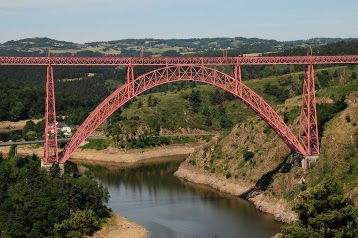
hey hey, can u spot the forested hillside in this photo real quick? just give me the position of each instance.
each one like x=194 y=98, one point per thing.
x=37 y=203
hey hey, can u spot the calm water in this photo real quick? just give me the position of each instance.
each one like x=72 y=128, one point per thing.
x=170 y=208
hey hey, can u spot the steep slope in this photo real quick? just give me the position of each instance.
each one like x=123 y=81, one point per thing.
x=340 y=150
x=241 y=163
x=252 y=162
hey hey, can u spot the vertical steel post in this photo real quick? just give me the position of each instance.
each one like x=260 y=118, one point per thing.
x=308 y=136
x=130 y=81
x=238 y=83
x=50 y=135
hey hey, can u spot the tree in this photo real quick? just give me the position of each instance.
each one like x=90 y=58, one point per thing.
x=324 y=212
x=351 y=66
x=208 y=121
x=30 y=135
x=29 y=126
x=79 y=224
x=171 y=53
x=354 y=75
x=248 y=154
x=335 y=74
x=150 y=101
x=140 y=104
x=195 y=101
x=216 y=97
x=17 y=111
x=55 y=170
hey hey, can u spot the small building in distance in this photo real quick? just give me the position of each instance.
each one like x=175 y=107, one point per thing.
x=62 y=127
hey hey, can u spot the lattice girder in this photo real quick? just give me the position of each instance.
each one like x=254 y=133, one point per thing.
x=180 y=73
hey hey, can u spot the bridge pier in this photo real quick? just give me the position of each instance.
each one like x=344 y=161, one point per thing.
x=47 y=166
x=309 y=161
x=15 y=150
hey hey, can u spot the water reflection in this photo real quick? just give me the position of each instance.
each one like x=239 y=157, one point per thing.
x=168 y=207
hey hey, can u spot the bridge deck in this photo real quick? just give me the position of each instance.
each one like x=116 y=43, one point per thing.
x=124 y=61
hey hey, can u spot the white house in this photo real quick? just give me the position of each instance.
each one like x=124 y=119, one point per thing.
x=60 y=126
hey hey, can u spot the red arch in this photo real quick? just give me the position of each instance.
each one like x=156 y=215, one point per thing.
x=178 y=73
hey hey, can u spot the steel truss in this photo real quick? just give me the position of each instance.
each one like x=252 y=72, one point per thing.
x=184 y=68
x=168 y=74
x=50 y=134
x=162 y=61
x=308 y=136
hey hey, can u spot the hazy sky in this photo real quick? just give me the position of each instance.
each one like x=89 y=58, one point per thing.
x=102 y=20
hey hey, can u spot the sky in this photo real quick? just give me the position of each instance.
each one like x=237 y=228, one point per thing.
x=83 y=21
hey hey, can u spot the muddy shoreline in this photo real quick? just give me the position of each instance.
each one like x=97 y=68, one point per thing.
x=277 y=207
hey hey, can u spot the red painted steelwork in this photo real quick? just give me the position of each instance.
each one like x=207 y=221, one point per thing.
x=134 y=87
x=308 y=119
x=50 y=143
x=125 y=61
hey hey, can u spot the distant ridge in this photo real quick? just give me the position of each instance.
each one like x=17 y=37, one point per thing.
x=157 y=47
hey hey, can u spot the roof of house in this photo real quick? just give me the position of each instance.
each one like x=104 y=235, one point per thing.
x=61 y=125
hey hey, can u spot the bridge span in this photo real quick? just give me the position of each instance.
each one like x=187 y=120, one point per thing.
x=173 y=69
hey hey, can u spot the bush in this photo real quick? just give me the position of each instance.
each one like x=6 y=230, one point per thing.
x=248 y=154
x=303 y=186
x=98 y=144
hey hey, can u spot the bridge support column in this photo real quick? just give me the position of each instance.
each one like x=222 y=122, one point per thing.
x=130 y=81
x=238 y=83
x=308 y=136
x=50 y=134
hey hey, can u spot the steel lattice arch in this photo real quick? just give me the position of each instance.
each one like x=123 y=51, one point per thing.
x=179 y=73
x=179 y=69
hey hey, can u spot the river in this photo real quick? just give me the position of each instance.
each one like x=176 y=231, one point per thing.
x=171 y=208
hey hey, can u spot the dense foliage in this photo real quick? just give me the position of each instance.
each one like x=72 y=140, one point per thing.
x=324 y=212
x=34 y=203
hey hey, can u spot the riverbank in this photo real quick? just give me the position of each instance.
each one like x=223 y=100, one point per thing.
x=8 y=126
x=116 y=156
x=278 y=207
x=118 y=226
x=132 y=157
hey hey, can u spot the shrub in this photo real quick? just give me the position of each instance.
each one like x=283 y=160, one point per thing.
x=303 y=186
x=98 y=144
x=248 y=154
x=348 y=118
